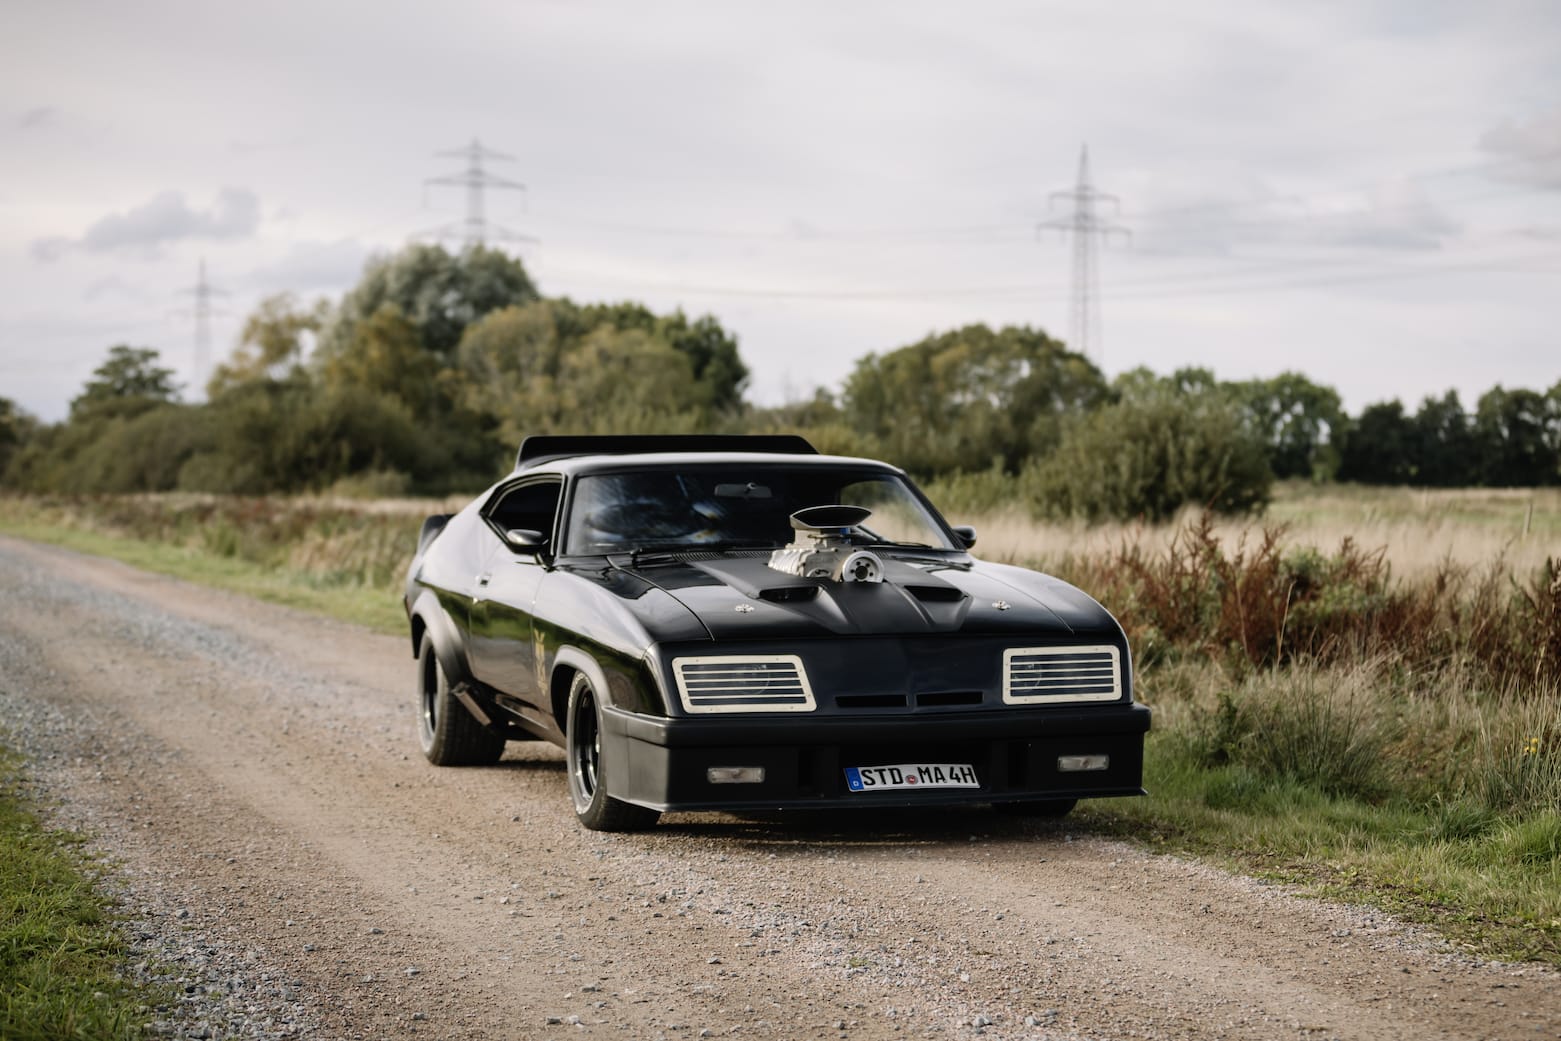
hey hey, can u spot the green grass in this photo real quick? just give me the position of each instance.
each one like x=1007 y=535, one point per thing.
x=1489 y=882
x=61 y=955
x=377 y=607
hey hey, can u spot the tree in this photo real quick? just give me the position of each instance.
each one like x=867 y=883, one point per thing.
x=1514 y=433
x=538 y=369
x=438 y=292
x=962 y=399
x=1379 y=446
x=385 y=357
x=273 y=344
x=16 y=429
x=1148 y=456
x=1444 y=444
x=508 y=368
x=710 y=349
x=1297 y=420
x=129 y=381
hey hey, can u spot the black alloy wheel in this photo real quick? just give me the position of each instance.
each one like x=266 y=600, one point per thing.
x=449 y=734
x=586 y=767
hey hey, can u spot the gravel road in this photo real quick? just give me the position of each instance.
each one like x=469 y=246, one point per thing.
x=295 y=867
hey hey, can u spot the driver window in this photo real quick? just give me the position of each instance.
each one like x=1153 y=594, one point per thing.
x=530 y=506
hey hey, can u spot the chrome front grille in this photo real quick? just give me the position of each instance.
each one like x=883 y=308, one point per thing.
x=743 y=683
x=1042 y=675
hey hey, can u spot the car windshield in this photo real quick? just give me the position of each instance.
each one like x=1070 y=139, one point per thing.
x=700 y=507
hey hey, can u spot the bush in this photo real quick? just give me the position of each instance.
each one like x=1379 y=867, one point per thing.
x=1147 y=458
x=1304 y=727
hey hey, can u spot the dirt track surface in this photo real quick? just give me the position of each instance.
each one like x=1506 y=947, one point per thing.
x=256 y=772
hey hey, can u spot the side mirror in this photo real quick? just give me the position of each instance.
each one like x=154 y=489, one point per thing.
x=966 y=535
x=525 y=540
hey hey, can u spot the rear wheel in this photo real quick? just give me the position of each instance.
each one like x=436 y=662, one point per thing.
x=449 y=734
x=583 y=751
x=1040 y=808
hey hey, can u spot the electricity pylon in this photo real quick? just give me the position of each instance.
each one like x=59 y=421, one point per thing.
x=476 y=179
x=201 y=312
x=1085 y=225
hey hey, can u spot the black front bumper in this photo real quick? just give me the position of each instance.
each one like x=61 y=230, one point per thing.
x=661 y=763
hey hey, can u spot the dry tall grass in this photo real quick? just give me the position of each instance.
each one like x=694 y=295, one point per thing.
x=1419 y=530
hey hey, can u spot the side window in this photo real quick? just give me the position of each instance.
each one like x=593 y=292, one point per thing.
x=530 y=506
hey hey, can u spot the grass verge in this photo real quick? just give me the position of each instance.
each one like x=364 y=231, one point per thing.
x=1490 y=883
x=61 y=955
x=375 y=606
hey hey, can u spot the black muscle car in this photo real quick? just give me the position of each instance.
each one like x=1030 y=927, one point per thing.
x=739 y=623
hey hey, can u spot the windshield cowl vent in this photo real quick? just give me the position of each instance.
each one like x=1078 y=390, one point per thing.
x=822 y=546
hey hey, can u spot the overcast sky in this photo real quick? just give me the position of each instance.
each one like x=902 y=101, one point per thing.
x=1366 y=191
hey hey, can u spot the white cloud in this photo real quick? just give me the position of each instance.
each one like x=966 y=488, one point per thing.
x=164 y=219
x=37 y=118
x=1533 y=147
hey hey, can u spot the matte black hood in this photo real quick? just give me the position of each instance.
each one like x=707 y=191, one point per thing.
x=743 y=598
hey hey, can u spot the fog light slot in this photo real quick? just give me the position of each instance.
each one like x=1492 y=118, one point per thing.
x=1072 y=764
x=735 y=775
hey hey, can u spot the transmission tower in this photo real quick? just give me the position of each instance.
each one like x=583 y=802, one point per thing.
x=202 y=312
x=1086 y=226
x=476 y=179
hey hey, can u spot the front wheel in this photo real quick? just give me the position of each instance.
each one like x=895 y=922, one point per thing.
x=583 y=752
x=449 y=734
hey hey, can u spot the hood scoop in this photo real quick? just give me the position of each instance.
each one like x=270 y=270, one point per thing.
x=821 y=547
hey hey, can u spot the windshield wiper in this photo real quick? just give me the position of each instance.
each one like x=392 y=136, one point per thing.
x=673 y=549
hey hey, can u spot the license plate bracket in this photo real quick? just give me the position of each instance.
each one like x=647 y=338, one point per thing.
x=906 y=776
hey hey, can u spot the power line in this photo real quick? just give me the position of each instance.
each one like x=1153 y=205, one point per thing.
x=1085 y=226
x=1196 y=284
x=476 y=179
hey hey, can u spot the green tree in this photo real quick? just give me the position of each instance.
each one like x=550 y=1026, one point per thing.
x=273 y=344
x=1514 y=431
x=384 y=356
x=539 y=369
x=439 y=292
x=509 y=363
x=710 y=349
x=1444 y=444
x=630 y=381
x=1150 y=455
x=1297 y=420
x=130 y=380
x=1379 y=448
x=271 y=436
x=17 y=427
x=818 y=418
x=962 y=399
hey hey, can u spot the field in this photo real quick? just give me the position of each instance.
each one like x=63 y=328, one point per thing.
x=1359 y=693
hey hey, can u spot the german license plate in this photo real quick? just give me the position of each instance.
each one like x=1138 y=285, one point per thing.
x=911 y=775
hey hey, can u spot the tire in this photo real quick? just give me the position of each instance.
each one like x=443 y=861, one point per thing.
x=449 y=734
x=1046 y=808
x=585 y=764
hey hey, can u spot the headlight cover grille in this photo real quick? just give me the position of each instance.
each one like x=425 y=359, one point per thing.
x=1044 y=675
x=743 y=683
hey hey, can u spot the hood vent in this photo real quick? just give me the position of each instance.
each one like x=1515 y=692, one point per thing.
x=944 y=594
x=788 y=594
x=1042 y=675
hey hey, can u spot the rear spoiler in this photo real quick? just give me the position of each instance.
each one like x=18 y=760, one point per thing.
x=554 y=446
